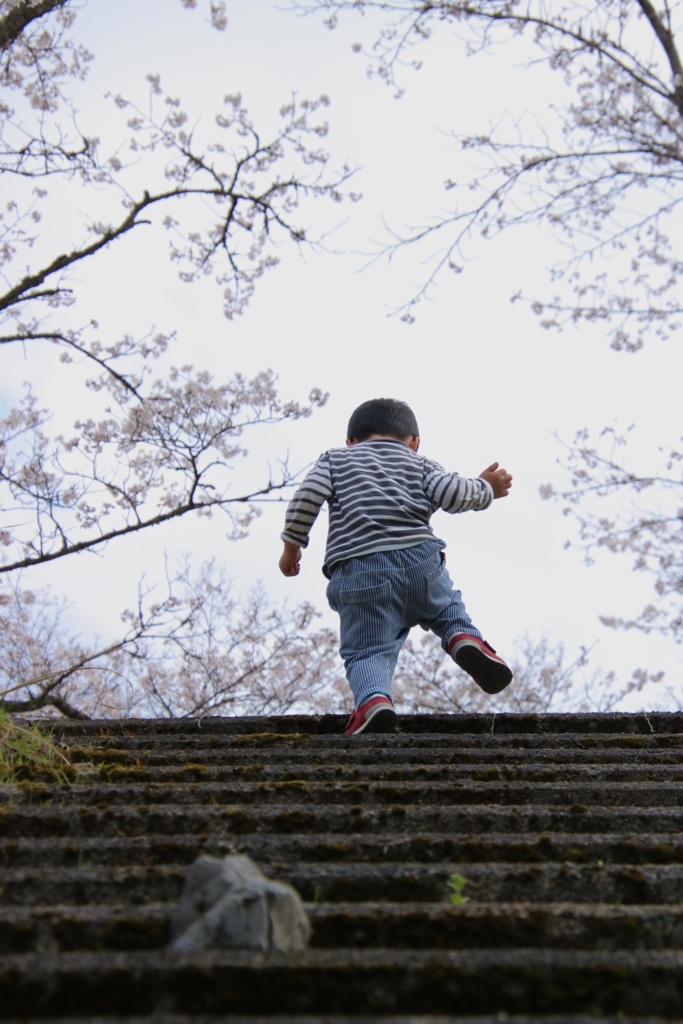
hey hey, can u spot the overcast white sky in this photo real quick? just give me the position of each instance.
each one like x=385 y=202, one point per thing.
x=485 y=381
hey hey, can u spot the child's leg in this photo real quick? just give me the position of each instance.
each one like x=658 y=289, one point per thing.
x=371 y=670
x=444 y=612
x=462 y=640
x=369 y=646
x=372 y=627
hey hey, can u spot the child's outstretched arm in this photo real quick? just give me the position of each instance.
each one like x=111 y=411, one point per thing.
x=302 y=512
x=499 y=479
x=290 y=560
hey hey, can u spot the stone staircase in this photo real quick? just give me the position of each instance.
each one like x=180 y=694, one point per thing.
x=565 y=833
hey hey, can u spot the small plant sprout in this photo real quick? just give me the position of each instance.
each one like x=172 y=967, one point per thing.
x=456 y=886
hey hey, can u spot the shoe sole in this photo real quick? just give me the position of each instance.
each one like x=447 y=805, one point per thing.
x=491 y=676
x=383 y=720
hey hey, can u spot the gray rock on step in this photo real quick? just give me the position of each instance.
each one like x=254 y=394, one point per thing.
x=230 y=904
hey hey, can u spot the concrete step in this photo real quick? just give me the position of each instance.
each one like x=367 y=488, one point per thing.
x=393 y=881
x=363 y=1018
x=380 y=981
x=568 y=830
x=65 y=928
x=424 y=847
x=454 y=793
x=419 y=774
x=236 y=821
x=276 y=727
x=189 y=755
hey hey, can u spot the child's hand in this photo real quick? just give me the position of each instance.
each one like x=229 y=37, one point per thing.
x=290 y=560
x=500 y=480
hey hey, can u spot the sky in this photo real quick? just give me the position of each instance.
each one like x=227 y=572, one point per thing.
x=484 y=379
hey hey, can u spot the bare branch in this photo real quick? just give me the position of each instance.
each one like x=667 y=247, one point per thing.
x=607 y=173
x=640 y=516
x=192 y=651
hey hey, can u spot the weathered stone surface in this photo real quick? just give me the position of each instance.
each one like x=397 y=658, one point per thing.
x=568 y=831
x=230 y=904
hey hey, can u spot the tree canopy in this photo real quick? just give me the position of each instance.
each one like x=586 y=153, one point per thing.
x=599 y=167
x=602 y=168
x=110 y=438
x=113 y=435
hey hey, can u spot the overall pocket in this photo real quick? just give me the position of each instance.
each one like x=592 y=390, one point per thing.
x=340 y=593
x=365 y=614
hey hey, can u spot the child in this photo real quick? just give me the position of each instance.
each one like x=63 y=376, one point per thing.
x=385 y=566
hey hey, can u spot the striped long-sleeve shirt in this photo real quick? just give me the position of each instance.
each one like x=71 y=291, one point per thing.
x=381 y=496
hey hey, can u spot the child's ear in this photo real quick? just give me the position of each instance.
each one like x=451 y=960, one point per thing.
x=414 y=443
x=350 y=441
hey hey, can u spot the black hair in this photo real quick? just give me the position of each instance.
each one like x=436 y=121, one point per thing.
x=382 y=416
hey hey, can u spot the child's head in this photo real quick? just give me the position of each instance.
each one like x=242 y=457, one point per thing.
x=384 y=416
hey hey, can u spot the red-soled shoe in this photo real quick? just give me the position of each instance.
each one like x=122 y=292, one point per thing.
x=376 y=714
x=480 y=661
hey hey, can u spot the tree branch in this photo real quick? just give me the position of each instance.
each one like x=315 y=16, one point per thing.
x=669 y=45
x=21 y=16
x=103 y=538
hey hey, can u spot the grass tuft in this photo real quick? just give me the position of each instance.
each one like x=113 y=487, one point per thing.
x=27 y=751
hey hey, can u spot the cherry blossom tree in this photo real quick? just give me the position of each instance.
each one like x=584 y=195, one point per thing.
x=109 y=437
x=157 y=450
x=138 y=441
x=640 y=516
x=190 y=648
x=601 y=170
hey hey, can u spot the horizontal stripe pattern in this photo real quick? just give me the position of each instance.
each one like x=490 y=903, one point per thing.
x=381 y=496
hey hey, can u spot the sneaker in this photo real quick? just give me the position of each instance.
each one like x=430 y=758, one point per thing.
x=480 y=661
x=376 y=714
